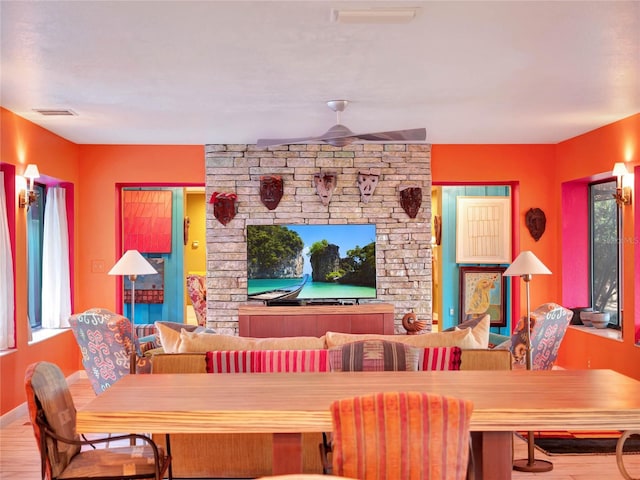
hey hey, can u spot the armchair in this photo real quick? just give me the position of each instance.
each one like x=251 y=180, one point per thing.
x=110 y=350
x=549 y=323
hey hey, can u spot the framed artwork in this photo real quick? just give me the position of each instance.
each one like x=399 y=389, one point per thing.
x=146 y=220
x=149 y=288
x=482 y=291
x=483 y=230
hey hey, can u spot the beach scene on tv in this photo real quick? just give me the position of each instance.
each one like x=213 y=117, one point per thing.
x=290 y=262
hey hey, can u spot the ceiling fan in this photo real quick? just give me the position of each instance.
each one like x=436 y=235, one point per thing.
x=339 y=135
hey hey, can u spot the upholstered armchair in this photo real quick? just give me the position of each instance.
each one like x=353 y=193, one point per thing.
x=426 y=436
x=110 y=350
x=197 y=291
x=53 y=417
x=549 y=323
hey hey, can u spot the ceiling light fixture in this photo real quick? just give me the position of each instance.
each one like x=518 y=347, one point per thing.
x=29 y=195
x=623 y=192
x=374 y=15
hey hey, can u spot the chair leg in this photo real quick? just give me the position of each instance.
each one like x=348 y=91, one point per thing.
x=471 y=464
x=168 y=440
x=325 y=449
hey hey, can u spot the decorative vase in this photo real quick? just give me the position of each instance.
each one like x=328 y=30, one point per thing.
x=600 y=319
x=585 y=316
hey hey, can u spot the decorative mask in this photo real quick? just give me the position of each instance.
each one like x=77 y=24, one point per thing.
x=367 y=182
x=325 y=185
x=224 y=206
x=410 y=200
x=536 y=222
x=271 y=189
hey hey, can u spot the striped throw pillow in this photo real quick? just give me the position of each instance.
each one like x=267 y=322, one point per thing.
x=442 y=358
x=269 y=361
x=229 y=361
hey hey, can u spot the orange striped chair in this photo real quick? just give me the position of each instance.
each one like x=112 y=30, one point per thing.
x=401 y=436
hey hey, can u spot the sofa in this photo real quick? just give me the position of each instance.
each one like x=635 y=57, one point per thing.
x=249 y=455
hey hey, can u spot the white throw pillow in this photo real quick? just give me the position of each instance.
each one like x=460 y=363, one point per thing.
x=476 y=337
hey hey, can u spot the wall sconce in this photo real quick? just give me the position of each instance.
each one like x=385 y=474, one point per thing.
x=623 y=193
x=28 y=196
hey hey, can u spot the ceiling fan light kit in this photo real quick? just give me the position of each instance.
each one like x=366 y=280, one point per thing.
x=339 y=135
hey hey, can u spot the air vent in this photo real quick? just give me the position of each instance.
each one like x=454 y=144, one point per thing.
x=374 y=15
x=55 y=112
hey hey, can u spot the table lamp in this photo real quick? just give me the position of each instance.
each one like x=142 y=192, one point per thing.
x=525 y=266
x=132 y=263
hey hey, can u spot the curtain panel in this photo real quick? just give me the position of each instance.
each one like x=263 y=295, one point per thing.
x=7 y=311
x=56 y=284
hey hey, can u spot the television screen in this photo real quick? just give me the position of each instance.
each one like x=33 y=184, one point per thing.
x=311 y=262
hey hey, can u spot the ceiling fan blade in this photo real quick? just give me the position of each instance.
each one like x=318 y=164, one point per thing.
x=272 y=142
x=410 y=135
x=339 y=136
x=336 y=132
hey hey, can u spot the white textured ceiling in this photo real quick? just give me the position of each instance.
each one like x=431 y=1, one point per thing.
x=181 y=72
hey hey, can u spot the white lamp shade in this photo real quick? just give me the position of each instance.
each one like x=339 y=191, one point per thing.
x=31 y=171
x=132 y=263
x=619 y=169
x=526 y=264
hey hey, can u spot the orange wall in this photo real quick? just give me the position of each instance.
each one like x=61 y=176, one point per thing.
x=529 y=166
x=103 y=167
x=22 y=142
x=100 y=168
x=592 y=155
x=538 y=171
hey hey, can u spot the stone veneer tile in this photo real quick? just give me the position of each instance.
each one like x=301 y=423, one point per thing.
x=403 y=247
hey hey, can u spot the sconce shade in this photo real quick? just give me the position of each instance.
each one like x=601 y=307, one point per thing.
x=31 y=171
x=132 y=263
x=619 y=169
x=526 y=264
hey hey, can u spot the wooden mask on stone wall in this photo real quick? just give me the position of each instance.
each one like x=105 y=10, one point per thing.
x=367 y=182
x=224 y=206
x=271 y=190
x=325 y=185
x=410 y=200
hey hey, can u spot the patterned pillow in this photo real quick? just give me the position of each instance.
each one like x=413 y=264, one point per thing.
x=374 y=355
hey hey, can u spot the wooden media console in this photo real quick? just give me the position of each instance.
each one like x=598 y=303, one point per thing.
x=261 y=321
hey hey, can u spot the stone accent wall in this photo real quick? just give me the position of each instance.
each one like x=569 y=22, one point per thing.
x=403 y=244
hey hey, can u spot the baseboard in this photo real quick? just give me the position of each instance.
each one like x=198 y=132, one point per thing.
x=21 y=410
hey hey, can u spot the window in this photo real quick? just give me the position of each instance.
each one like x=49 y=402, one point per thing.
x=605 y=252
x=35 y=240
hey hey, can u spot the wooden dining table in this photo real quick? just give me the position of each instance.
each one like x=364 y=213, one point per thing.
x=288 y=404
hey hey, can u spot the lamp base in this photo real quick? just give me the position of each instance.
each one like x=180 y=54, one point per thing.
x=536 y=466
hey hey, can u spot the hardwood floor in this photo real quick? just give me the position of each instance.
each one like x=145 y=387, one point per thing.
x=19 y=459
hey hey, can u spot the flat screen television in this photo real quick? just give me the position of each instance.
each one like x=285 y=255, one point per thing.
x=298 y=264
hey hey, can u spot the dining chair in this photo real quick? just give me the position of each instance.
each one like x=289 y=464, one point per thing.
x=401 y=436
x=381 y=355
x=53 y=417
x=303 y=476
